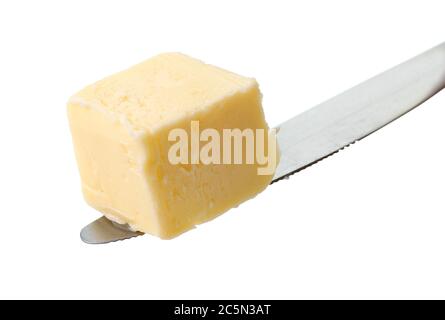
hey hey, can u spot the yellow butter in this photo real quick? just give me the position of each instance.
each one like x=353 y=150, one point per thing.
x=120 y=127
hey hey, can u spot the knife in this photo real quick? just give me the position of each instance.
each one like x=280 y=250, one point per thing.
x=333 y=125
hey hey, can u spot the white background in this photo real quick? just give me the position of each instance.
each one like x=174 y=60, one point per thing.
x=366 y=223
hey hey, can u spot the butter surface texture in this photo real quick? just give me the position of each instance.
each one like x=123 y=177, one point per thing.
x=120 y=127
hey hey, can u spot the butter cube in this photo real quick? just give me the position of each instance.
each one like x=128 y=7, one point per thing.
x=121 y=129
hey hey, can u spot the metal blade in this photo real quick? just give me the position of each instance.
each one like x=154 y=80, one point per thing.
x=103 y=230
x=358 y=112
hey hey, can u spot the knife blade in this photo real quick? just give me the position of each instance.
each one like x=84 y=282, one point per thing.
x=358 y=112
x=335 y=124
x=103 y=230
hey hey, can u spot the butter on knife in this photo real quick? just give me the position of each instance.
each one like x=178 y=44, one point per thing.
x=126 y=132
